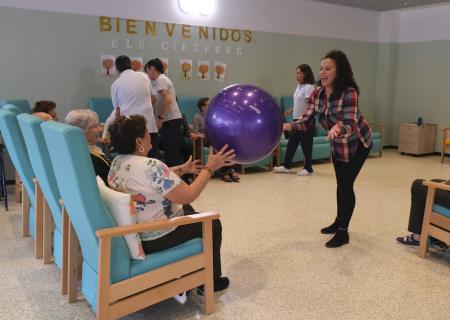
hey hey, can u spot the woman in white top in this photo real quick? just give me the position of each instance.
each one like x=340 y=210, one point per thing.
x=305 y=87
x=158 y=191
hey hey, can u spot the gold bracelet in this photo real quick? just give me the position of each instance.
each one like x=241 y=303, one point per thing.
x=210 y=171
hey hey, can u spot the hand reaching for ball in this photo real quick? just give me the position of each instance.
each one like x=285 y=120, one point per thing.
x=223 y=158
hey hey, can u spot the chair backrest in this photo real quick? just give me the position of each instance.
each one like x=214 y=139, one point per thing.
x=188 y=106
x=77 y=184
x=40 y=163
x=17 y=150
x=22 y=104
x=11 y=108
x=103 y=107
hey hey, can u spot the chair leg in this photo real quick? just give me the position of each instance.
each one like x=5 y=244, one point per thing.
x=17 y=193
x=25 y=213
x=431 y=194
x=39 y=201
x=72 y=265
x=209 y=281
x=65 y=251
x=47 y=234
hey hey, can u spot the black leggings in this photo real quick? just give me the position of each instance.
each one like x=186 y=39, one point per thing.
x=418 y=200
x=346 y=173
x=187 y=232
x=305 y=139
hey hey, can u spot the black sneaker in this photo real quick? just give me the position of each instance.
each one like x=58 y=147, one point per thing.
x=438 y=245
x=220 y=284
x=408 y=241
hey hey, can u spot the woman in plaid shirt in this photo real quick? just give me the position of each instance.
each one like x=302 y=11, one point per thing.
x=335 y=105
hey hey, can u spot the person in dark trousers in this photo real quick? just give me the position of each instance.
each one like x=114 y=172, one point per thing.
x=168 y=113
x=335 y=104
x=416 y=213
x=305 y=88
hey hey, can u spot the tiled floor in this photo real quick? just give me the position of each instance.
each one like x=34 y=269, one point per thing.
x=274 y=253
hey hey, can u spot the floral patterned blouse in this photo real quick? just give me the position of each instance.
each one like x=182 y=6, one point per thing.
x=148 y=180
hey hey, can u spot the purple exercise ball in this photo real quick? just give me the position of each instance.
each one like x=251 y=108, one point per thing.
x=246 y=118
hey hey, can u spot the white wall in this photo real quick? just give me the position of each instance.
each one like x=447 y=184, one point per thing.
x=300 y=17
x=419 y=24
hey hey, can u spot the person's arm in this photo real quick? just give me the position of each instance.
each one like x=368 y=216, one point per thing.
x=185 y=194
x=112 y=116
x=167 y=100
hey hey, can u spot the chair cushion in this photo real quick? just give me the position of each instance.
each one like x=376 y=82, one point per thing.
x=162 y=258
x=441 y=210
x=121 y=205
x=321 y=140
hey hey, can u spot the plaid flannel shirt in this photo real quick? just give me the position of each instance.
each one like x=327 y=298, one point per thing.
x=332 y=111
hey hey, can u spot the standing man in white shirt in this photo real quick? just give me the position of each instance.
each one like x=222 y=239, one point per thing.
x=130 y=93
x=168 y=118
x=305 y=88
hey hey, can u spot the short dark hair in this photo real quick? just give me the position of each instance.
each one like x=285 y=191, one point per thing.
x=309 y=75
x=124 y=132
x=123 y=63
x=344 y=73
x=201 y=102
x=155 y=63
x=44 y=106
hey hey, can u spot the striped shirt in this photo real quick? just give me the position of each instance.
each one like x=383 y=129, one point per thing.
x=331 y=111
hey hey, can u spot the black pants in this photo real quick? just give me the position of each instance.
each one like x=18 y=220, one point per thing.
x=346 y=173
x=170 y=133
x=154 y=151
x=418 y=200
x=187 y=232
x=305 y=139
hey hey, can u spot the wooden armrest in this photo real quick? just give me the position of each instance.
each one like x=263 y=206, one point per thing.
x=156 y=225
x=437 y=185
x=445 y=129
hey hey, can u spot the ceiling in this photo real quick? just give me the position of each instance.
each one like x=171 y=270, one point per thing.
x=383 y=5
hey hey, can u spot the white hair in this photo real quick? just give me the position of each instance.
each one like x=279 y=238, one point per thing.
x=83 y=118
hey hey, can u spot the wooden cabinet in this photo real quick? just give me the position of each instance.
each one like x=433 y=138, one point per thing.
x=416 y=139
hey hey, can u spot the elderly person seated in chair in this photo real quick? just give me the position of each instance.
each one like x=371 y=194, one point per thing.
x=418 y=201
x=158 y=191
x=87 y=120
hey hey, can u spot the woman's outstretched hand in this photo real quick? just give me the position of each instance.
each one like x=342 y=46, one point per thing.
x=190 y=166
x=223 y=158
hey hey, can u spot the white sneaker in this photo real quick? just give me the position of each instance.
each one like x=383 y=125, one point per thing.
x=181 y=298
x=304 y=172
x=281 y=169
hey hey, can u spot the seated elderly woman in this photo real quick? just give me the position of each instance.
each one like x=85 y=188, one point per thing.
x=158 y=191
x=87 y=120
x=45 y=110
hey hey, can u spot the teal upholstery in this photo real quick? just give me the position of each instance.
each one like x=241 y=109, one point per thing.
x=286 y=103
x=102 y=106
x=42 y=167
x=188 y=106
x=76 y=181
x=443 y=211
x=22 y=104
x=377 y=141
x=11 y=108
x=15 y=144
